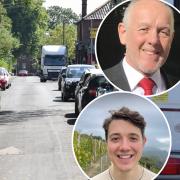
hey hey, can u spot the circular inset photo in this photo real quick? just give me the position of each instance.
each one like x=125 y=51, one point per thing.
x=137 y=46
x=121 y=135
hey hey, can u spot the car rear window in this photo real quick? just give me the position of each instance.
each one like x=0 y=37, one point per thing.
x=97 y=81
x=76 y=72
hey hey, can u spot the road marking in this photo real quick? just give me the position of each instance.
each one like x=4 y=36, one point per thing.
x=10 y=151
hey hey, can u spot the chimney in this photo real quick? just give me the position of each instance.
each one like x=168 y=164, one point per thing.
x=84 y=8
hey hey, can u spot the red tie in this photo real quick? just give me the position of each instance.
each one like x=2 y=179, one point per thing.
x=147 y=84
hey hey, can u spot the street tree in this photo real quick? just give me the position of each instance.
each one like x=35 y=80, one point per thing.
x=29 y=23
x=62 y=28
x=59 y=15
x=55 y=36
x=8 y=43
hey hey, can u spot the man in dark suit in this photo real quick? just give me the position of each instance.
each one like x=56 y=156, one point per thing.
x=147 y=31
x=118 y=77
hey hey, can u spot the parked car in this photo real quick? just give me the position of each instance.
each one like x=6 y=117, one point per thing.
x=105 y=88
x=172 y=169
x=70 y=79
x=170 y=105
x=5 y=78
x=62 y=71
x=86 y=90
x=23 y=72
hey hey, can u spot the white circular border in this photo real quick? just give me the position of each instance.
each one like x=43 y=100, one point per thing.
x=95 y=46
x=122 y=92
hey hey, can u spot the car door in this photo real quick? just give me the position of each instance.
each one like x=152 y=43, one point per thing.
x=82 y=91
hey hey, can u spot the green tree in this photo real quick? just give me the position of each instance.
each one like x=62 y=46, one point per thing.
x=29 y=23
x=55 y=36
x=59 y=15
x=7 y=42
x=62 y=29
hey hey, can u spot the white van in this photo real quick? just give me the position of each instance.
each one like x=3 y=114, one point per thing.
x=53 y=58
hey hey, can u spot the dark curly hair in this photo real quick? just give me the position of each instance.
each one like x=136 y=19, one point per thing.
x=125 y=114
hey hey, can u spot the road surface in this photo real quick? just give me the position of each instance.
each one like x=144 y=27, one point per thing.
x=35 y=133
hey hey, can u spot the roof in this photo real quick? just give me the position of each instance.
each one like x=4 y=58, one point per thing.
x=100 y=12
x=81 y=65
x=53 y=49
x=94 y=71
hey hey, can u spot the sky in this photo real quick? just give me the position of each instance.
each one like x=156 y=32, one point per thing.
x=75 y=5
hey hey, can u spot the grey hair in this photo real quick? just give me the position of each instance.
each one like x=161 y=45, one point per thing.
x=132 y=4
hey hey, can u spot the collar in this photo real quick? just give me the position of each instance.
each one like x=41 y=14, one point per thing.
x=137 y=172
x=133 y=77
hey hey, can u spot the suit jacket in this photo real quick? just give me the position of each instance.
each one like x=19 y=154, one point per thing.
x=118 y=77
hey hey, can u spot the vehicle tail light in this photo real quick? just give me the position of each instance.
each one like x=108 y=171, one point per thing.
x=3 y=81
x=172 y=167
x=92 y=92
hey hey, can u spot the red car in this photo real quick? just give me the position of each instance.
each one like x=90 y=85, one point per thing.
x=23 y=73
x=4 y=79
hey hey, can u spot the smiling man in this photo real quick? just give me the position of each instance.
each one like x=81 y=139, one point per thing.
x=147 y=32
x=125 y=138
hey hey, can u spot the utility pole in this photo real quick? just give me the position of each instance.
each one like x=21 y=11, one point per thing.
x=63 y=31
x=84 y=8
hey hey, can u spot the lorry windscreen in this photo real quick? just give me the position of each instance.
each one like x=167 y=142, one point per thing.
x=54 y=60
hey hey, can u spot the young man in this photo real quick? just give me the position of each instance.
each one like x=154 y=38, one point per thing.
x=125 y=138
x=147 y=32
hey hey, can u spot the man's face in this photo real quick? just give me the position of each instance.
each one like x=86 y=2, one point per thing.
x=147 y=36
x=124 y=144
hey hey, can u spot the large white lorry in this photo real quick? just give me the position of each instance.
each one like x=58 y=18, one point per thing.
x=53 y=58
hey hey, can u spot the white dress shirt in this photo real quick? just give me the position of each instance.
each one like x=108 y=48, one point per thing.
x=133 y=77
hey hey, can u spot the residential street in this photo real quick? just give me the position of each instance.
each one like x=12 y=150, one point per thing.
x=35 y=132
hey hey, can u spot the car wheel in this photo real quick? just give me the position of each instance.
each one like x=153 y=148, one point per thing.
x=64 y=98
x=3 y=88
x=83 y=103
x=59 y=87
x=42 y=80
x=76 y=108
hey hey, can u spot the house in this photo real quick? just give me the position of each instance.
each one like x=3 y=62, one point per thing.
x=87 y=28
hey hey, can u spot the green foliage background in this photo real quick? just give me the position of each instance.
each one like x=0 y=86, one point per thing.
x=25 y=26
x=90 y=150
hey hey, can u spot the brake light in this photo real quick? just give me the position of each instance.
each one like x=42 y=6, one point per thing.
x=92 y=92
x=3 y=81
x=172 y=167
